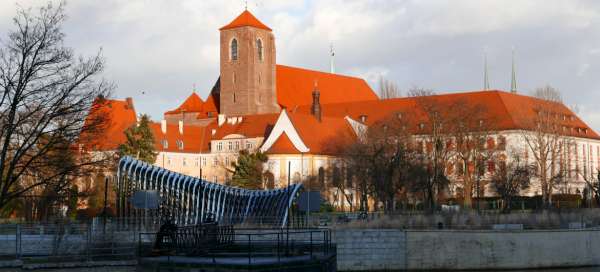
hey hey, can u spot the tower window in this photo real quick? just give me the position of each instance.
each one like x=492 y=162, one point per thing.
x=259 y=49
x=233 y=97
x=234 y=49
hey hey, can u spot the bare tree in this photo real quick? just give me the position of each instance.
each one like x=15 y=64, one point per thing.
x=46 y=94
x=511 y=178
x=435 y=135
x=594 y=185
x=416 y=91
x=388 y=89
x=471 y=128
x=546 y=140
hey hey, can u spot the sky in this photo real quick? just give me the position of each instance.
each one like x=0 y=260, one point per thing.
x=156 y=51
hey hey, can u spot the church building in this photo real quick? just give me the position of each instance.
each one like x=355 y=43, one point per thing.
x=296 y=115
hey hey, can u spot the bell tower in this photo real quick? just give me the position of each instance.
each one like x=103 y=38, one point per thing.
x=247 y=67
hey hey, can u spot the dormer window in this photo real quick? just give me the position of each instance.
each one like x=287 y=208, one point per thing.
x=259 y=49
x=180 y=144
x=234 y=49
x=421 y=126
x=165 y=144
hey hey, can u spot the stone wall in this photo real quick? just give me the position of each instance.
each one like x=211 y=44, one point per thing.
x=376 y=249
x=370 y=249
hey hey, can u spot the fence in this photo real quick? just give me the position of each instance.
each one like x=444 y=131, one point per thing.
x=92 y=241
x=253 y=244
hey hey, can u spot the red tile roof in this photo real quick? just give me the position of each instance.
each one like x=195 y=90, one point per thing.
x=195 y=139
x=251 y=126
x=283 y=145
x=245 y=19
x=192 y=104
x=508 y=111
x=117 y=116
x=295 y=87
x=320 y=137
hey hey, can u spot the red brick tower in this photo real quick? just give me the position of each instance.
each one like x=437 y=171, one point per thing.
x=247 y=67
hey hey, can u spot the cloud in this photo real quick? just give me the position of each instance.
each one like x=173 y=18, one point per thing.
x=164 y=47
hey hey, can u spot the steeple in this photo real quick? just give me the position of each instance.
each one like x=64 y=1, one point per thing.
x=247 y=81
x=486 y=81
x=332 y=60
x=513 y=79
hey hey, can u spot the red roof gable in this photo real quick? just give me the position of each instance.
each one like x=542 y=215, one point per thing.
x=117 y=116
x=245 y=19
x=321 y=137
x=295 y=87
x=283 y=145
x=192 y=104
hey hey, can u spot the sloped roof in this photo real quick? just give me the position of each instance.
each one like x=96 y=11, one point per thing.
x=192 y=104
x=321 y=137
x=295 y=87
x=245 y=19
x=115 y=117
x=250 y=126
x=283 y=145
x=195 y=139
x=508 y=111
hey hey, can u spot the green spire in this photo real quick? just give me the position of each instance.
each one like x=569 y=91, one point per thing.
x=486 y=81
x=513 y=80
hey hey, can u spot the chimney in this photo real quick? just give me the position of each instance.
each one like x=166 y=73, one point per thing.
x=181 y=127
x=315 y=109
x=163 y=126
x=363 y=118
x=129 y=101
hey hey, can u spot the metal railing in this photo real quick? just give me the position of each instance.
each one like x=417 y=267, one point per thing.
x=256 y=243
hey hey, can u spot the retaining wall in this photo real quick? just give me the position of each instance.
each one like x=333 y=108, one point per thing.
x=376 y=249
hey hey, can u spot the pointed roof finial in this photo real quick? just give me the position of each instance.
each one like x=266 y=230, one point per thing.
x=332 y=59
x=486 y=81
x=246 y=5
x=513 y=79
x=194 y=87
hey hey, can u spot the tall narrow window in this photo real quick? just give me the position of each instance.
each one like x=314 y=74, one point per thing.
x=259 y=49
x=234 y=49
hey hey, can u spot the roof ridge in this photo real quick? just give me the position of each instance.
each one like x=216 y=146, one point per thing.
x=246 y=18
x=512 y=119
x=320 y=72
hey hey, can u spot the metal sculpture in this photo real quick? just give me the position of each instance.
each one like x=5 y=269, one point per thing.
x=191 y=200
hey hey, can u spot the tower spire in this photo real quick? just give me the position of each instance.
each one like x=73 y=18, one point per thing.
x=513 y=79
x=332 y=60
x=486 y=81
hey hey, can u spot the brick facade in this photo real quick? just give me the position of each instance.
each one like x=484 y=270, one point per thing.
x=248 y=82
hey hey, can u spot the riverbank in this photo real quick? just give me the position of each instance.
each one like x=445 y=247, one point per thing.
x=389 y=249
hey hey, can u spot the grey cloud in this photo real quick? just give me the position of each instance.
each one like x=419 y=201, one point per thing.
x=164 y=47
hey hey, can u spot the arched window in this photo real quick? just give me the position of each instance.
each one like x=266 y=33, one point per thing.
x=259 y=49
x=234 y=49
x=336 y=176
x=269 y=180
x=322 y=177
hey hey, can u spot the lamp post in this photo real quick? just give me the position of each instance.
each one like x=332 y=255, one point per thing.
x=287 y=236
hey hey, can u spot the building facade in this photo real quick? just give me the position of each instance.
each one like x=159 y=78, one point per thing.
x=296 y=116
